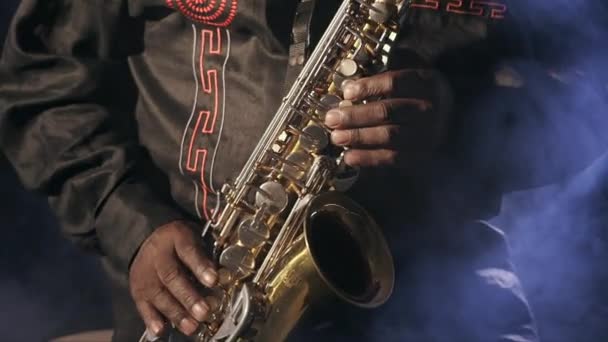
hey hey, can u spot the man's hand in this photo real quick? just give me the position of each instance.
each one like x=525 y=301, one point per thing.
x=401 y=130
x=160 y=283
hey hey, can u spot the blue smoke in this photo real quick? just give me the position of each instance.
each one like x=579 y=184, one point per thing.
x=558 y=135
x=559 y=233
x=559 y=240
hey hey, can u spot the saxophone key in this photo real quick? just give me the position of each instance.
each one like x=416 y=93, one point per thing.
x=346 y=71
x=328 y=101
x=271 y=196
x=253 y=233
x=224 y=277
x=349 y=67
x=238 y=259
x=383 y=11
x=297 y=163
x=314 y=139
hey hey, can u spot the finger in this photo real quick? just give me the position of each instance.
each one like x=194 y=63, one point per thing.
x=371 y=158
x=383 y=112
x=152 y=318
x=191 y=255
x=416 y=83
x=379 y=136
x=173 y=310
x=179 y=285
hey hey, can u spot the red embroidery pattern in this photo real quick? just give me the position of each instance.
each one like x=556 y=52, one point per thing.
x=205 y=124
x=430 y=4
x=211 y=12
x=479 y=8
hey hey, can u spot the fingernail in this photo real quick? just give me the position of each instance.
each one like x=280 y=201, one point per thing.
x=210 y=277
x=345 y=103
x=339 y=137
x=333 y=118
x=188 y=326
x=348 y=159
x=350 y=90
x=156 y=328
x=200 y=311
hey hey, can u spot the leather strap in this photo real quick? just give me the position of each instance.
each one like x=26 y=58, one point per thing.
x=299 y=50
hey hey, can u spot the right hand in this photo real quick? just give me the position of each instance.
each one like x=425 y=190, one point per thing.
x=159 y=279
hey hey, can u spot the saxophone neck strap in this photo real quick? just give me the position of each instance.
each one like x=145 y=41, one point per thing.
x=299 y=50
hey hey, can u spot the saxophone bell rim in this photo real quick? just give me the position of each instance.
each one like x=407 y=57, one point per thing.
x=369 y=238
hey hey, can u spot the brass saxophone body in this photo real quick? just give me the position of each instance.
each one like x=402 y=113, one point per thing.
x=286 y=238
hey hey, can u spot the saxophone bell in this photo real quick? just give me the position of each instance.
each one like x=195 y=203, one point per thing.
x=341 y=254
x=349 y=250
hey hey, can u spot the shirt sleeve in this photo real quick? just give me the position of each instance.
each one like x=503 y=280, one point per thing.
x=67 y=123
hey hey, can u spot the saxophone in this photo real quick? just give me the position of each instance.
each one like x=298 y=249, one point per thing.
x=285 y=237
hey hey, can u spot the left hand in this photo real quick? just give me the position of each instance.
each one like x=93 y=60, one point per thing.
x=403 y=129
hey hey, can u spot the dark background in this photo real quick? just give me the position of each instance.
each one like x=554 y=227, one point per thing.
x=558 y=236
